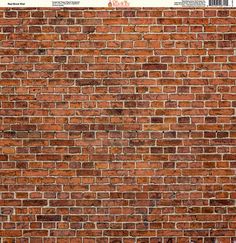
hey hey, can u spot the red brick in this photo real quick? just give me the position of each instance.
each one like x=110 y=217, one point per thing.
x=221 y=202
x=23 y=127
x=48 y=157
x=39 y=233
x=62 y=143
x=154 y=66
x=10 y=233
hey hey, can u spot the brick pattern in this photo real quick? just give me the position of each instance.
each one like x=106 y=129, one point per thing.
x=117 y=125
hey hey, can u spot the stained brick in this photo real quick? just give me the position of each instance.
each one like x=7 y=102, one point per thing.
x=48 y=218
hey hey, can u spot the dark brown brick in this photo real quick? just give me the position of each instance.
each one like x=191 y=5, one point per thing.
x=35 y=203
x=48 y=218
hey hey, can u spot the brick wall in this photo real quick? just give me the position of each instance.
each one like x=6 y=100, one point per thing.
x=117 y=125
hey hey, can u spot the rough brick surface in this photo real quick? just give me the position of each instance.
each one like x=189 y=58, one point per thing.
x=118 y=125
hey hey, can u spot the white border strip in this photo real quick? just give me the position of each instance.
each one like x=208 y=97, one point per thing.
x=114 y=3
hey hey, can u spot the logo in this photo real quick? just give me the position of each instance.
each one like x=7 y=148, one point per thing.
x=117 y=3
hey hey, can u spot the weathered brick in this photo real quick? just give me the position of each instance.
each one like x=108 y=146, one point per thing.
x=48 y=157
x=48 y=218
x=35 y=203
x=221 y=202
x=155 y=66
x=23 y=127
